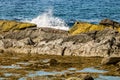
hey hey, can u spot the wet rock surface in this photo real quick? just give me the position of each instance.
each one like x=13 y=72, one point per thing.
x=26 y=67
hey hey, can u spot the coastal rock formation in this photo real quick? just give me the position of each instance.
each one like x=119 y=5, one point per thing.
x=84 y=27
x=102 y=42
x=6 y=25
x=29 y=41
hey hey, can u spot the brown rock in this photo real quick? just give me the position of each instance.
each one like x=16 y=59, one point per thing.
x=110 y=60
x=86 y=77
x=53 y=62
x=109 y=22
x=1 y=50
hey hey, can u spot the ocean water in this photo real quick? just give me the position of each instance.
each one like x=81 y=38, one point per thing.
x=59 y=13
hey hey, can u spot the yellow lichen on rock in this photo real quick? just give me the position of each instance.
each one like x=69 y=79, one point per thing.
x=83 y=27
x=6 y=25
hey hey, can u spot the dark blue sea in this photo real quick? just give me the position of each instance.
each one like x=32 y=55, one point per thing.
x=59 y=13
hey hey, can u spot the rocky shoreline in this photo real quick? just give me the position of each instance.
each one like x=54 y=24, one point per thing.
x=33 y=40
x=82 y=40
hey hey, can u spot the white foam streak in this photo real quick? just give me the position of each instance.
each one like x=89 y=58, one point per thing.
x=47 y=19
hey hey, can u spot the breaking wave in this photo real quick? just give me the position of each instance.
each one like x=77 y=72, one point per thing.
x=47 y=19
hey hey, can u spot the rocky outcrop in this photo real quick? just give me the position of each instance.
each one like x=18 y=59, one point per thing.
x=6 y=25
x=42 y=41
x=103 y=42
x=84 y=27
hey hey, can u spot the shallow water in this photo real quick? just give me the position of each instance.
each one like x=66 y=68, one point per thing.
x=23 y=63
x=101 y=77
x=91 y=70
x=53 y=73
x=10 y=74
x=11 y=67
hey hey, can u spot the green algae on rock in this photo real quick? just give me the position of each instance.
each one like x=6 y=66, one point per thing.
x=6 y=25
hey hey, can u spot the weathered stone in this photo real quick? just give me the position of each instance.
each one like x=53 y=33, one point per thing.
x=109 y=22
x=110 y=60
x=7 y=43
x=57 y=42
x=30 y=42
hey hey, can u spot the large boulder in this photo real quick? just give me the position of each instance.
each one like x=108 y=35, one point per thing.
x=6 y=25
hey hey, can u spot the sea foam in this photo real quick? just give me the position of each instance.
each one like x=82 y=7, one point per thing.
x=47 y=19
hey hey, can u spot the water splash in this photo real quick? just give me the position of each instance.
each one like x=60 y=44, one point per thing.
x=47 y=19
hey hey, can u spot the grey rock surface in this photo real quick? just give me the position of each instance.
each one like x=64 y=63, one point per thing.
x=58 y=42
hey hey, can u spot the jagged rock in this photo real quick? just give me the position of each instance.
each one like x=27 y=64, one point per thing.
x=30 y=42
x=110 y=60
x=57 y=42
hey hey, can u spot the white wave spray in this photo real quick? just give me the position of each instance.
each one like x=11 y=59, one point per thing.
x=47 y=19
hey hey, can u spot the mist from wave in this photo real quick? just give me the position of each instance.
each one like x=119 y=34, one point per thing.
x=47 y=19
